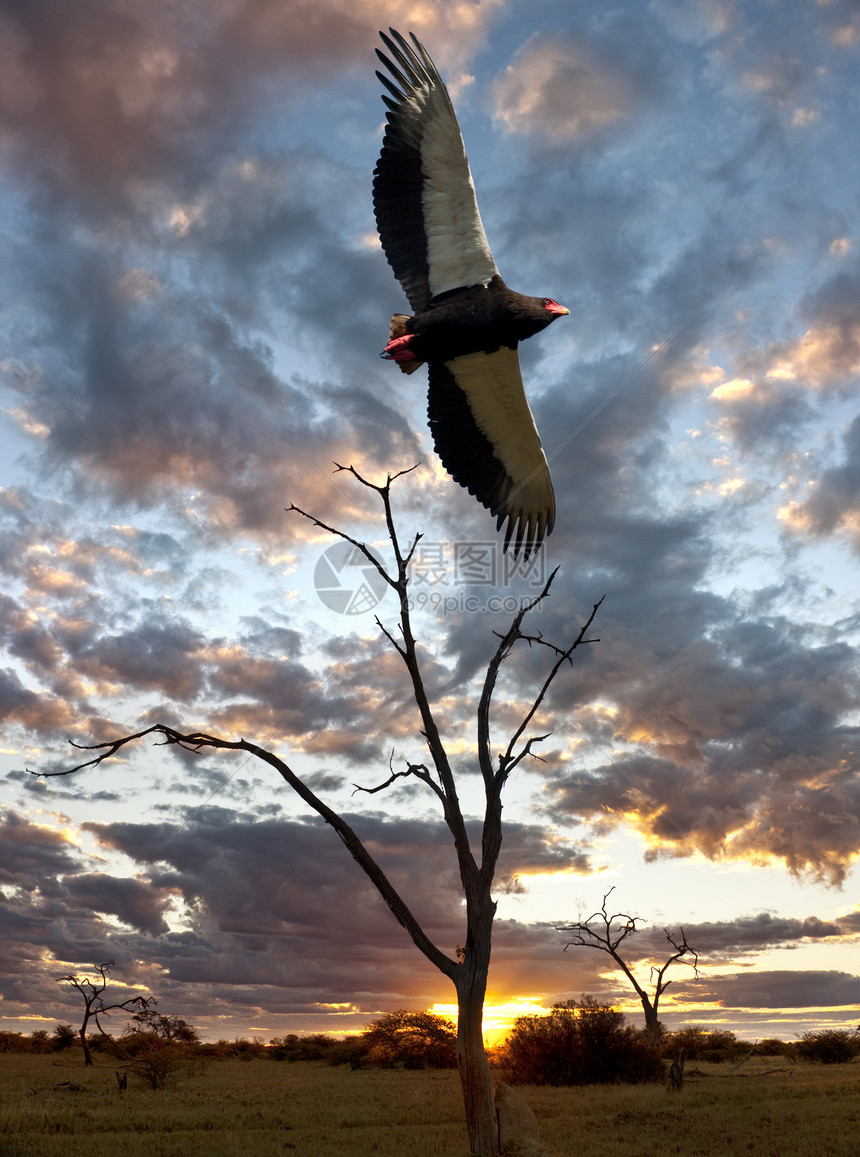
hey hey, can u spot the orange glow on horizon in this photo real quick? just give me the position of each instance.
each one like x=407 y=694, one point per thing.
x=499 y=1015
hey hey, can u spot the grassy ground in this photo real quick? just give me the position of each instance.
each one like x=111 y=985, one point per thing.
x=262 y=1108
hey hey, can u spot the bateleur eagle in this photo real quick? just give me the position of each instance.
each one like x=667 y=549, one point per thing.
x=466 y=323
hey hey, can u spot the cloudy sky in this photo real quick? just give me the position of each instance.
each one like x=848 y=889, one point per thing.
x=193 y=305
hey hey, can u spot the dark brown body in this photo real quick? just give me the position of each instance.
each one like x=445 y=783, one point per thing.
x=466 y=321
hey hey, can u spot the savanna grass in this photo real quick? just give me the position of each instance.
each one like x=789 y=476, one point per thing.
x=262 y=1108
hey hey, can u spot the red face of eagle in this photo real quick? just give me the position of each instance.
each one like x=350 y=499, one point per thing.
x=466 y=323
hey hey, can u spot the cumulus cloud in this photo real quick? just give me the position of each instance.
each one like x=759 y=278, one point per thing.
x=559 y=90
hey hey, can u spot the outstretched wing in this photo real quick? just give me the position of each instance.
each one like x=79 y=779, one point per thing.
x=485 y=435
x=423 y=195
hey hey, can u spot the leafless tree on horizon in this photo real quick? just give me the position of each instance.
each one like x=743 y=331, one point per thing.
x=95 y=1006
x=608 y=939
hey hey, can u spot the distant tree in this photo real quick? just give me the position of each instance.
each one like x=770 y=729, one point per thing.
x=157 y=1024
x=62 y=1038
x=578 y=1043
x=155 y=1047
x=415 y=1040
x=40 y=1042
x=607 y=933
x=467 y=968
x=246 y=1049
x=95 y=1004
x=772 y=1046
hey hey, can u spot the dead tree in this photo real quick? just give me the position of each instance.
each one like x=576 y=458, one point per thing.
x=95 y=1005
x=469 y=966
x=607 y=933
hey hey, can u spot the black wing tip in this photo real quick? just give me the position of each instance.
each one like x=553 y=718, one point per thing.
x=528 y=529
x=414 y=61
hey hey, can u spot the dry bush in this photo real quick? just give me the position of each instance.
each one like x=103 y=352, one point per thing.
x=580 y=1043
x=830 y=1046
x=312 y=1047
x=703 y=1044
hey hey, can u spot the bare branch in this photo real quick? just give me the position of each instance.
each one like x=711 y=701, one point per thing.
x=610 y=934
x=197 y=740
x=418 y=771
x=400 y=651
x=360 y=546
x=509 y=761
x=108 y=750
x=504 y=648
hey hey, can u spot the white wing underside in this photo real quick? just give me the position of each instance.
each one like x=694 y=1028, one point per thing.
x=457 y=250
x=493 y=386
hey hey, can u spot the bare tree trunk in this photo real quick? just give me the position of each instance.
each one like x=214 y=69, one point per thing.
x=652 y=1024
x=88 y=1056
x=475 y=1075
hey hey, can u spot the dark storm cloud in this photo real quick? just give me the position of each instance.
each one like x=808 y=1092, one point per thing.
x=155 y=656
x=150 y=417
x=269 y=905
x=562 y=88
x=135 y=405
x=277 y=900
x=136 y=902
x=19 y=704
x=45 y=865
x=727 y=939
x=216 y=845
x=779 y=990
x=744 y=726
x=30 y=853
x=834 y=503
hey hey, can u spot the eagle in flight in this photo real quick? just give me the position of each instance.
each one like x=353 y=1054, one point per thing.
x=466 y=323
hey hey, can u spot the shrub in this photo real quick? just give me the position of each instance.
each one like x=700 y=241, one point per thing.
x=14 y=1042
x=829 y=1046
x=578 y=1044
x=245 y=1049
x=703 y=1044
x=772 y=1047
x=156 y=1060
x=219 y=1050
x=291 y=1047
x=155 y=1047
x=352 y=1051
x=63 y=1038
